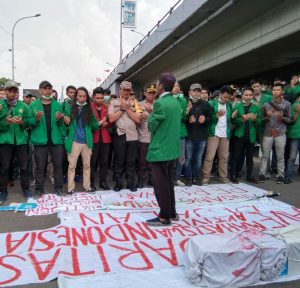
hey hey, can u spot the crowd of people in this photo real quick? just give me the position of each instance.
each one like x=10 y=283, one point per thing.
x=85 y=135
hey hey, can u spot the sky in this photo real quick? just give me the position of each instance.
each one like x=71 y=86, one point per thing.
x=73 y=40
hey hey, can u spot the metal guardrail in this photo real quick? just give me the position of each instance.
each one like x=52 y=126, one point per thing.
x=156 y=26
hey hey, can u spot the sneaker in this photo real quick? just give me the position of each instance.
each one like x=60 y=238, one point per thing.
x=32 y=184
x=3 y=197
x=279 y=180
x=176 y=218
x=189 y=182
x=252 y=180
x=179 y=183
x=90 y=189
x=93 y=188
x=268 y=176
x=51 y=179
x=157 y=222
x=196 y=182
x=27 y=194
x=261 y=178
x=205 y=182
x=58 y=191
x=70 y=192
x=234 y=180
x=225 y=180
x=287 y=181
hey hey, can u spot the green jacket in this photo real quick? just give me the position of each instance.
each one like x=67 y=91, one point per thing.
x=294 y=129
x=164 y=126
x=72 y=128
x=183 y=104
x=14 y=133
x=39 y=129
x=3 y=114
x=264 y=98
x=240 y=125
x=294 y=91
x=214 y=104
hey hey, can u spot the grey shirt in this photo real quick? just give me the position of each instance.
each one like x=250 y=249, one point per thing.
x=274 y=126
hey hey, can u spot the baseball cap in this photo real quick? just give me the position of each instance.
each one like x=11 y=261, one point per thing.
x=195 y=86
x=44 y=84
x=11 y=84
x=27 y=94
x=150 y=88
x=126 y=85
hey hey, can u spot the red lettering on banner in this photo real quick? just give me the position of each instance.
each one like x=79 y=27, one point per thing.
x=79 y=237
x=123 y=237
x=281 y=215
x=32 y=241
x=183 y=243
x=49 y=264
x=92 y=236
x=118 y=219
x=164 y=232
x=75 y=265
x=139 y=231
x=103 y=259
x=153 y=234
x=172 y=259
x=42 y=239
x=84 y=218
x=12 y=245
x=137 y=252
x=65 y=236
x=17 y=272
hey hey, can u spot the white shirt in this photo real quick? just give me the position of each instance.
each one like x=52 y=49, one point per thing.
x=221 y=127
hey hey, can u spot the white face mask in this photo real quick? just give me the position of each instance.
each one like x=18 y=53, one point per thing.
x=47 y=97
x=81 y=104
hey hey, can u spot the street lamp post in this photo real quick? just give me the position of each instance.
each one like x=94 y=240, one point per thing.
x=13 y=43
x=132 y=30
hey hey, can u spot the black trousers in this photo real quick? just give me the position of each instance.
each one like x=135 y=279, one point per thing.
x=242 y=145
x=100 y=155
x=144 y=167
x=6 y=153
x=125 y=158
x=41 y=157
x=163 y=174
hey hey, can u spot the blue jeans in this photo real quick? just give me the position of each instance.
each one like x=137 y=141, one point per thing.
x=294 y=148
x=193 y=152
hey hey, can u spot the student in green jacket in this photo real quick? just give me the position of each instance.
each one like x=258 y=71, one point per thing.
x=247 y=119
x=13 y=138
x=46 y=122
x=294 y=134
x=177 y=94
x=164 y=149
x=79 y=141
x=219 y=132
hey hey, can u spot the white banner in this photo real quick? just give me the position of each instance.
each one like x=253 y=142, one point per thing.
x=101 y=242
x=145 y=199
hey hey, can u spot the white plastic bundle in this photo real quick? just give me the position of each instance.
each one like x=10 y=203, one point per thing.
x=228 y=260
x=273 y=253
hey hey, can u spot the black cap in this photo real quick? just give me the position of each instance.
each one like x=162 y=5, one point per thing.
x=44 y=84
x=27 y=94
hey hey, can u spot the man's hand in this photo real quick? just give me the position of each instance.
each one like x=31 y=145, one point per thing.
x=67 y=120
x=233 y=115
x=297 y=108
x=270 y=113
x=221 y=113
x=201 y=119
x=279 y=115
x=39 y=115
x=148 y=108
x=10 y=120
x=58 y=115
x=18 y=120
x=0 y=107
x=252 y=116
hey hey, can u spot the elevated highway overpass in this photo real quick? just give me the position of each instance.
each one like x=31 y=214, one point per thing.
x=213 y=42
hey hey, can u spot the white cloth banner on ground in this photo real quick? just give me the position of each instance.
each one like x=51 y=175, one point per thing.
x=117 y=241
x=145 y=198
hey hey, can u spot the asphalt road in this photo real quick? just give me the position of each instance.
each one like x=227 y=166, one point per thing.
x=10 y=221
